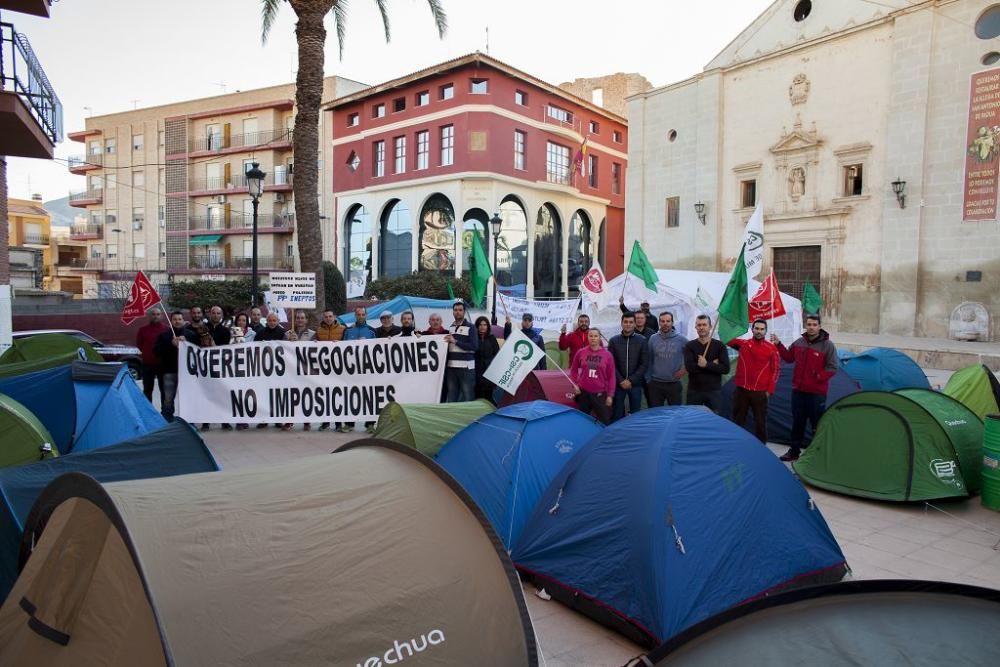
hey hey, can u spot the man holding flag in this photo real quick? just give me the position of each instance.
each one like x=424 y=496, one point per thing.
x=815 y=358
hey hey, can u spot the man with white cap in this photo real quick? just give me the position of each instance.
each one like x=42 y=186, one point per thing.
x=387 y=328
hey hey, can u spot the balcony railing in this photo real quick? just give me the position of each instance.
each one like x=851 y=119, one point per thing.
x=84 y=162
x=217 y=262
x=236 y=183
x=83 y=264
x=86 y=196
x=264 y=221
x=86 y=231
x=23 y=75
x=36 y=239
x=219 y=142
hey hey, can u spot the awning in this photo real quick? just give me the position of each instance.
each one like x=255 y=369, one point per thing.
x=206 y=240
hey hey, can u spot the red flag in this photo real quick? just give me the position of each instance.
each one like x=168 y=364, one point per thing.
x=766 y=303
x=141 y=298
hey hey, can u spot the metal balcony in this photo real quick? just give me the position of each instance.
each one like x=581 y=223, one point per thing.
x=217 y=142
x=36 y=239
x=86 y=232
x=31 y=122
x=83 y=264
x=81 y=163
x=243 y=223
x=86 y=198
x=220 y=263
x=236 y=184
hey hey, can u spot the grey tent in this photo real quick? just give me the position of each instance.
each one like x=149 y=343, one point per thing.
x=373 y=555
x=874 y=622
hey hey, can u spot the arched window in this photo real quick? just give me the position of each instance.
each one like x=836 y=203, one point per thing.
x=357 y=244
x=475 y=221
x=512 y=249
x=578 y=255
x=395 y=241
x=548 y=253
x=437 y=235
x=602 y=244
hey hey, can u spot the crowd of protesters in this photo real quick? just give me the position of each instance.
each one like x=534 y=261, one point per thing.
x=611 y=377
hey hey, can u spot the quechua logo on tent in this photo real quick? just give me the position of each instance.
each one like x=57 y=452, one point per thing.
x=944 y=470
x=400 y=651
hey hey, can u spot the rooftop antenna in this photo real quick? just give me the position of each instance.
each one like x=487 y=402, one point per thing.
x=487 y=40
x=222 y=85
x=89 y=110
x=135 y=103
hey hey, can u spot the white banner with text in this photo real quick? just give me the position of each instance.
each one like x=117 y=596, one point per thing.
x=307 y=382
x=547 y=314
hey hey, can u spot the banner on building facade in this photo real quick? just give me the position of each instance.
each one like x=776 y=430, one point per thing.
x=546 y=314
x=305 y=382
x=982 y=148
x=293 y=290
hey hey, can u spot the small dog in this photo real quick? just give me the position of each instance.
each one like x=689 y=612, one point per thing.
x=204 y=337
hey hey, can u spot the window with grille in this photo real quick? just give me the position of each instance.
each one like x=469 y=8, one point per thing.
x=673 y=211
x=748 y=193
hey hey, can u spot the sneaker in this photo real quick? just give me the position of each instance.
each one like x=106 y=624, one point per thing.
x=790 y=455
x=286 y=427
x=370 y=429
x=307 y=427
x=242 y=427
x=324 y=426
x=261 y=425
x=205 y=427
x=227 y=427
x=345 y=429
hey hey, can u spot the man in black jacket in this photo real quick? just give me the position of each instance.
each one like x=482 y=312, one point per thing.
x=167 y=347
x=387 y=328
x=629 y=352
x=706 y=361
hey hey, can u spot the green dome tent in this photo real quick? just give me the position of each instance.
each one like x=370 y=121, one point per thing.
x=44 y=346
x=16 y=368
x=427 y=426
x=977 y=388
x=22 y=436
x=912 y=444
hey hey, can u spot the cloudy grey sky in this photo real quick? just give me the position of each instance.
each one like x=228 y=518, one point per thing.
x=109 y=55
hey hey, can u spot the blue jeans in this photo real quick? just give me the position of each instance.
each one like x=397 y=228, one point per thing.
x=634 y=400
x=460 y=384
x=805 y=408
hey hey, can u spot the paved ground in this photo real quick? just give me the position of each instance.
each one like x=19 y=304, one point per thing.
x=955 y=541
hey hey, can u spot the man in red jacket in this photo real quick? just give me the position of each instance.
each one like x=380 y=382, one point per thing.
x=815 y=360
x=756 y=377
x=575 y=340
x=152 y=367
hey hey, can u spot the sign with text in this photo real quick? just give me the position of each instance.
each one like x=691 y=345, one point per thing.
x=306 y=382
x=293 y=290
x=982 y=147
x=546 y=314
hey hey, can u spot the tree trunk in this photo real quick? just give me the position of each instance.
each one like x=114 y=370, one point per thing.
x=311 y=38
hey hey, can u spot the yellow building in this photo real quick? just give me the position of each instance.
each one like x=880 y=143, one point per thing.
x=30 y=233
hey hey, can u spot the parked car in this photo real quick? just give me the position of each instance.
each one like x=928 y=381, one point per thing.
x=126 y=354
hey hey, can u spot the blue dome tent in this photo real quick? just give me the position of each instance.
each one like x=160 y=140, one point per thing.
x=669 y=517
x=420 y=306
x=507 y=458
x=779 y=407
x=883 y=369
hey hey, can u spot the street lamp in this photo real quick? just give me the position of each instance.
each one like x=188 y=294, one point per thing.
x=899 y=188
x=255 y=185
x=495 y=223
x=699 y=210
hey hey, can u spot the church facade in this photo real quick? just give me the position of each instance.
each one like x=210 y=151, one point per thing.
x=856 y=125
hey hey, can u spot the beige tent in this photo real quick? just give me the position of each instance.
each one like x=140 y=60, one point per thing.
x=370 y=556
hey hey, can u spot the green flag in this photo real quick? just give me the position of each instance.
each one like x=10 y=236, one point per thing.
x=451 y=292
x=640 y=267
x=811 y=300
x=734 y=310
x=480 y=270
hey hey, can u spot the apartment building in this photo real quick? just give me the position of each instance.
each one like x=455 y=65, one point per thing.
x=423 y=162
x=29 y=238
x=166 y=194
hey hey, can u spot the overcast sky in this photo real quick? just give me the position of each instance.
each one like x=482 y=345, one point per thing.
x=110 y=55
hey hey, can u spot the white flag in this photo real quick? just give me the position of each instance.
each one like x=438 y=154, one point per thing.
x=753 y=238
x=594 y=287
x=357 y=284
x=516 y=359
x=703 y=300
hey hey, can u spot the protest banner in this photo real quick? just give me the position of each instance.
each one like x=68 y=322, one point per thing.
x=303 y=382
x=293 y=290
x=547 y=314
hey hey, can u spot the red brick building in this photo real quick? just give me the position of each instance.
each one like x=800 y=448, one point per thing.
x=422 y=162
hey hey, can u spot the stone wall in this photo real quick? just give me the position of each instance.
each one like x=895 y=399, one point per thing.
x=615 y=88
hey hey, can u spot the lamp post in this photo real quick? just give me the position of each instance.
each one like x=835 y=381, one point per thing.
x=255 y=185
x=495 y=223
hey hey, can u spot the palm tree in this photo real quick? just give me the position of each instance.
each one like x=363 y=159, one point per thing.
x=310 y=34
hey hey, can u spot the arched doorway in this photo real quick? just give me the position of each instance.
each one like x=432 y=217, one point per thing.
x=578 y=252
x=395 y=246
x=512 y=248
x=437 y=235
x=602 y=244
x=357 y=244
x=548 y=272
x=475 y=221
